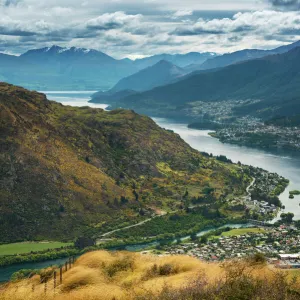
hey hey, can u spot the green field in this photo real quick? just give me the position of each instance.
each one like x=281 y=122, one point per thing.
x=239 y=231
x=26 y=247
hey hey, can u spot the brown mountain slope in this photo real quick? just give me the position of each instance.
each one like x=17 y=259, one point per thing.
x=68 y=171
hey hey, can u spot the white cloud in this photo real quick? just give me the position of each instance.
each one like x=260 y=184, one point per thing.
x=182 y=13
x=112 y=20
x=131 y=27
x=260 y=22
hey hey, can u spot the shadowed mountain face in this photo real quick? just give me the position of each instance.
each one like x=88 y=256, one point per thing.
x=160 y=74
x=67 y=171
x=273 y=81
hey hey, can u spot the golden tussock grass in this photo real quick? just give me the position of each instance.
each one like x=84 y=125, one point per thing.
x=106 y=276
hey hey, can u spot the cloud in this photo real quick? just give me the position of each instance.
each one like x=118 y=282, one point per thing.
x=130 y=27
x=110 y=21
x=286 y=4
x=9 y=2
x=259 y=23
x=182 y=13
x=15 y=32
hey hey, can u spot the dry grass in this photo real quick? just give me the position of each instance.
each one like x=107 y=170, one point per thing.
x=121 y=275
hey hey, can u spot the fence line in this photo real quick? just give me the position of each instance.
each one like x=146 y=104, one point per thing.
x=67 y=266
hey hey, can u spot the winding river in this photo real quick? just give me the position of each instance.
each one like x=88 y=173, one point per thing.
x=284 y=163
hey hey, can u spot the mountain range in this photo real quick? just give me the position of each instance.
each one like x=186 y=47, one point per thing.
x=68 y=171
x=57 y=68
x=161 y=73
x=165 y=73
x=271 y=83
x=239 y=56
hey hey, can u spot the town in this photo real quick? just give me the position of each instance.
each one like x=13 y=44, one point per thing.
x=246 y=130
x=259 y=135
x=280 y=244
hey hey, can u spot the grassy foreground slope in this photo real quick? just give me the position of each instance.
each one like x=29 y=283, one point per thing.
x=67 y=171
x=128 y=276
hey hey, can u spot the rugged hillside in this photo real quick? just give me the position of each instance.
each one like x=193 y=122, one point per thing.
x=132 y=276
x=66 y=171
x=272 y=81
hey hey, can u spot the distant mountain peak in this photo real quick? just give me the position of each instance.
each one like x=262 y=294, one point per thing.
x=164 y=62
x=59 y=50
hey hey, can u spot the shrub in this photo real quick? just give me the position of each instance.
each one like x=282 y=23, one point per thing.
x=122 y=264
x=22 y=274
x=162 y=270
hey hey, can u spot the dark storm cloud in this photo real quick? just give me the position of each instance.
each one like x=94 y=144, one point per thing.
x=286 y=4
x=11 y=2
x=106 y=26
x=196 y=31
x=15 y=32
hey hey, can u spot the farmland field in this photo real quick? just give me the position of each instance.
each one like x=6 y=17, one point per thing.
x=241 y=231
x=26 y=247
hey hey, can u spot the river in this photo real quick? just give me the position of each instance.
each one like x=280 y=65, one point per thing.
x=284 y=163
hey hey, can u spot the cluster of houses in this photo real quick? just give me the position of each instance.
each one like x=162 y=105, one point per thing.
x=265 y=183
x=281 y=245
x=262 y=207
x=283 y=137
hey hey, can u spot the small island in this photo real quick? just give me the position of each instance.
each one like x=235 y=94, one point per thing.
x=294 y=193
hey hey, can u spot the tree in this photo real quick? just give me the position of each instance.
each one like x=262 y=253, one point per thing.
x=287 y=217
x=116 y=202
x=123 y=200
x=83 y=242
x=203 y=239
x=186 y=194
x=194 y=236
x=258 y=258
x=136 y=195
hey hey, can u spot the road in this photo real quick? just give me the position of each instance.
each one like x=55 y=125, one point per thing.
x=147 y=220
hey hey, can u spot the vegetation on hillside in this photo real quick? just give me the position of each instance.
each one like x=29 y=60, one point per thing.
x=284 y=121
x=67 y=172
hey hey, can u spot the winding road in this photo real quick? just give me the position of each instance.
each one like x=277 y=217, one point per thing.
x=147 y=220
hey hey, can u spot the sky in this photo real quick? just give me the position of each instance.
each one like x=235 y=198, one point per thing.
x=127 y=28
